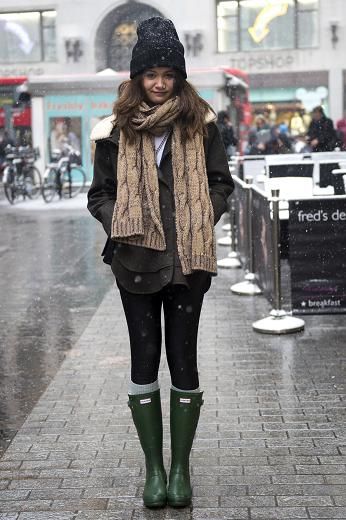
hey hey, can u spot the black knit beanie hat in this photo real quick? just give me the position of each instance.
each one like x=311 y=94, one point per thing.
x=158 y=45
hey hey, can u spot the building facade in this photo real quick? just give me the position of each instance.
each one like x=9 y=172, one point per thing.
x=291 y=50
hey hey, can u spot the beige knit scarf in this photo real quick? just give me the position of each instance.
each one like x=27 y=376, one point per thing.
x=136 y=218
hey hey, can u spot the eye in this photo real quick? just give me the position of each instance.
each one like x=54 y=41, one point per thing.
x=170 y=76
x=149 y=74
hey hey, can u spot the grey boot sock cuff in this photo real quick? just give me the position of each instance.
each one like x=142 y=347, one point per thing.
x=196 y=391
x=135 y=389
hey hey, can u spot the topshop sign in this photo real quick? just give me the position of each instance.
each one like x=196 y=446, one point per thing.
x=252 y=63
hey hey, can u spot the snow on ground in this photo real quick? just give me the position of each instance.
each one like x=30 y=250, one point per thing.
x=78 y=202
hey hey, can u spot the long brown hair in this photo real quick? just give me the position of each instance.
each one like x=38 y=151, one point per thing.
x=193 y=108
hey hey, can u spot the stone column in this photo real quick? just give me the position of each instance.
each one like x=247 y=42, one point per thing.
x=336 y=94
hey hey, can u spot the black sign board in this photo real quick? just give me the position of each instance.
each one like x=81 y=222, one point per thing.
x=317 y=255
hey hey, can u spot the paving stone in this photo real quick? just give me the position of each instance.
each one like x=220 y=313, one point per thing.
x=121 y=514
x=335 y=479
x=33 y=483
x=305 y=501
x=340 y=500
x=55 y=494
x=93 y=504
x=277 y=513
x=111 y=492
x=248 y=501
x=220 y=514
x=46 y=516
x=25 y=505
x=164 y=514
x=320 y=489
x=333 y=513
x=298 y=479
x=13 y=494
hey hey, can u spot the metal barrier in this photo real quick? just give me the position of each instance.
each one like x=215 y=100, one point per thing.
x=232 y=260
x=248 y=287
x=278 y=321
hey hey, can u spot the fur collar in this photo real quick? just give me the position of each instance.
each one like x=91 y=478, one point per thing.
x=103 y=129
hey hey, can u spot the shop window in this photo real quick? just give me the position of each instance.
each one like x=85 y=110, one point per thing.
x=27 y=37
x=248 y=25
x=227 y=26
x=48 y=35
x=307 y=23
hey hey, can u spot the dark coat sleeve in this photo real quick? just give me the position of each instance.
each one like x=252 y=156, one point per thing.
x=103 y=190
x=219 y=177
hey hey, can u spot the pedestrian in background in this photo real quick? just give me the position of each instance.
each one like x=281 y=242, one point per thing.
x=321 y=135
x=297 y=126
x=279 y=143
x=225 y=127
x=5 y=140
x=341 y=132
x=161 y=182
x=259 y=136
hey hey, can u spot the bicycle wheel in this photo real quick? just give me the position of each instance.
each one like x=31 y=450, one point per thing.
x=33 y=182
x=9 y=185
x=73 y=181
x=49 y=188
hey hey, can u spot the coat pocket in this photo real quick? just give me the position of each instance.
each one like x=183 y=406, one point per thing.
x=108 y=251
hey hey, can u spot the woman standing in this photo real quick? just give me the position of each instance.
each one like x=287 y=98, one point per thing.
x=161 y=181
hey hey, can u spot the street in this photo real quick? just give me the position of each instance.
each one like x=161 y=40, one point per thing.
x=52 y=281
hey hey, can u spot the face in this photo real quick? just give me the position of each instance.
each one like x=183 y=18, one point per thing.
x=158 y=84
x=316 y=115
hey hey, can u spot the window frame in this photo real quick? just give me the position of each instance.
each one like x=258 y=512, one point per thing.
x=298 y=22
x=296 y=19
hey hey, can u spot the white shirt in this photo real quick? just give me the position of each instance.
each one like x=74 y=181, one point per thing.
x=160 y=143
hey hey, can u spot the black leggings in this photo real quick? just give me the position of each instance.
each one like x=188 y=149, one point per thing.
x=182 y=308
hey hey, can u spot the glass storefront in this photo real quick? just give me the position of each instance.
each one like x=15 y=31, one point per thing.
x=290 y=105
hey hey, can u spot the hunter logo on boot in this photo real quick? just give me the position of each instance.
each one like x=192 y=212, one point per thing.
x=145 y=401
x=185 y=400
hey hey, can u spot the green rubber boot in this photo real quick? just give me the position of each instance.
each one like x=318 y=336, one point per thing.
x=185 y=410
x=147 y=417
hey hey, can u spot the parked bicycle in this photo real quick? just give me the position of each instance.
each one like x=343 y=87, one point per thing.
x=64 y=176
x=21 y=178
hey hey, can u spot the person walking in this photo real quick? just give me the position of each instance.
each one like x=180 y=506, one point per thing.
x=341 y=132
x=161 y=182
x=321 y=134
x=225 y=127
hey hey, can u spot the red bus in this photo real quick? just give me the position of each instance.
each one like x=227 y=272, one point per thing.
x=237 y=91
x=227 y=89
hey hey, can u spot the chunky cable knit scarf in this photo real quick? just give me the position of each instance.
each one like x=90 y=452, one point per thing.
x=136 y=218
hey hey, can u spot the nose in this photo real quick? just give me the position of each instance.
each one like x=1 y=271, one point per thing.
x=160 y=82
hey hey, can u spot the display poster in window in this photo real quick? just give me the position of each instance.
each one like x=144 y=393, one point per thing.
x=65 y=134
x=317 y=255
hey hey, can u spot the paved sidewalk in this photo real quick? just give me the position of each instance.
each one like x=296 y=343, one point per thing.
x=271 y=443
